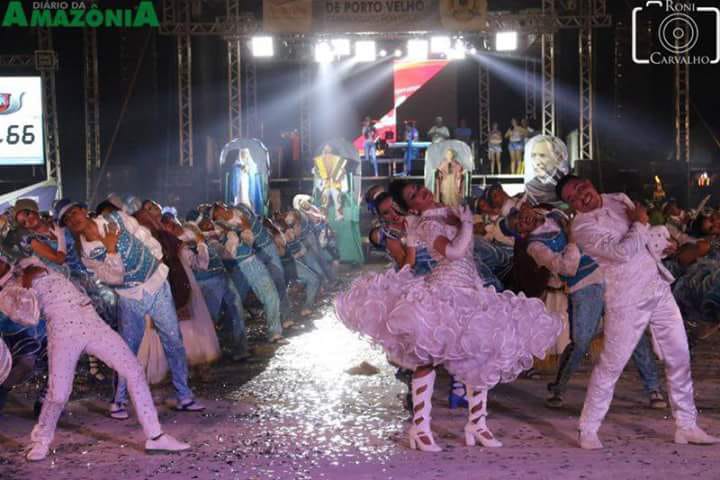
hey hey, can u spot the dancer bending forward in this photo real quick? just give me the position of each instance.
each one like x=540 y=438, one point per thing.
x=447 y=318
x=73 y=327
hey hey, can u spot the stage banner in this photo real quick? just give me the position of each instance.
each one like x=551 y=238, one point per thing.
x=353 y=16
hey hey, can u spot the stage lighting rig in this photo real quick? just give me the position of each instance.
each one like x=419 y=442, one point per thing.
x=440 y=45
x=365 y=51
x=458 y=51
x=324 y=52
x=417 y=49
x=341 y=47
x=262 y=46
x=506 y=41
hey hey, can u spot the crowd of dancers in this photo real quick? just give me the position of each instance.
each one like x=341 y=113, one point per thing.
x=134 y=286
x=472 y=291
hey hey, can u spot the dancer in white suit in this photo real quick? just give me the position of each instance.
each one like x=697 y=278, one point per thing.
x=73 y=327
x=615 y=232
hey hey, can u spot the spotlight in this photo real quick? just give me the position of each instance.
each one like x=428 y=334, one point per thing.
x=341 y=46
x=473 y=50
x=262 y=46
x=417 y=49
x=365 y=51
x=397 y=53
x=382 y=53
x=323 y=52
x=506 y=41
x=457 y=53
x=439 y=45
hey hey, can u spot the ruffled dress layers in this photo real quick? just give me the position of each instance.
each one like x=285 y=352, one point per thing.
x=448 y=317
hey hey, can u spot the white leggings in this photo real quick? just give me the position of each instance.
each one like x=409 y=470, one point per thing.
x=67 y=340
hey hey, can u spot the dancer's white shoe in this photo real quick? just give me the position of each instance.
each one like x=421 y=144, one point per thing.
x=589 y=440
x=695 y=436
x=38 y=451
x=165 y=443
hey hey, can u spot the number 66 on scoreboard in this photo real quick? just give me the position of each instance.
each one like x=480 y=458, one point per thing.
x=21 y=121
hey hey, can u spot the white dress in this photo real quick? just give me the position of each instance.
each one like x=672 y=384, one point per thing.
x=448 y=317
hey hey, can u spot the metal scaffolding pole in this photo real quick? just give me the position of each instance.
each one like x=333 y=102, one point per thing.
x=235 y=120
x=548 y=84
x=547 y=42
x=305 y=124
x=530 y=89
x=93 y=157
x=620 y=53
x=681 y=73
x=46 y=63
x=586 y=91
x=484 y=109
x=184 y=77
x=252 y=123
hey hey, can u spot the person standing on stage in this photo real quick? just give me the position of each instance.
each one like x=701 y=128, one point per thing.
x=516 y=137
x=369 y=134
x=411 y=136
x=615 y=231
x=495 y=140
x=438 y=132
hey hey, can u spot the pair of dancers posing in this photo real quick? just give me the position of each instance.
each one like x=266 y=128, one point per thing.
x=482 y=337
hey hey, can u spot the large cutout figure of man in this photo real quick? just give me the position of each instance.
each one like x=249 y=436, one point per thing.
x=546 y=161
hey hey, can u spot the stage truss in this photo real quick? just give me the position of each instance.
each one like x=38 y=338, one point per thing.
x=93 y=157
x=236 y=27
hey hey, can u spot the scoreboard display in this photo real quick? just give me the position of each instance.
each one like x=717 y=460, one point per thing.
x=22 y=140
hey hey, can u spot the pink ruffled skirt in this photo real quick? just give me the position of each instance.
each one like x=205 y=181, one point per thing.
x=482 y=337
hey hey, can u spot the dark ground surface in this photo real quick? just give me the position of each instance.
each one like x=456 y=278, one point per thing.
x=295 y=413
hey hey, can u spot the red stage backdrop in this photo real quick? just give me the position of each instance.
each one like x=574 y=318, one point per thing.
x=408 y=78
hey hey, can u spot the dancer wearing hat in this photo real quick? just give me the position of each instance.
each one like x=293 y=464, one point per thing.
x=126 y=256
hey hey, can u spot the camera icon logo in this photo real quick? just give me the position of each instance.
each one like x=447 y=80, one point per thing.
x=678 y=33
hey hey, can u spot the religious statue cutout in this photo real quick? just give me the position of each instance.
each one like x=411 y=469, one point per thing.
x=245 y=180
x=448 y=167
x=330 y=179
x=337 y=191
x=546 y=162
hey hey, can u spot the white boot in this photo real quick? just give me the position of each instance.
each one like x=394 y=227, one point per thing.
x=476 y=429
x=38 y=451
x=165 y=443
x=694 y=435
x=589 y=440
x=420 y=434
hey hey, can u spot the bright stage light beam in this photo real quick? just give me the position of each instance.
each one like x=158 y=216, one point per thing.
x=457 y=53
x=417 y=49
x=324 y=52
x=439 y=45
x=506 y=41
x=382 y=53
x=365 y=51
x=341 y=47
x=262 y=46
x=397 y=53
